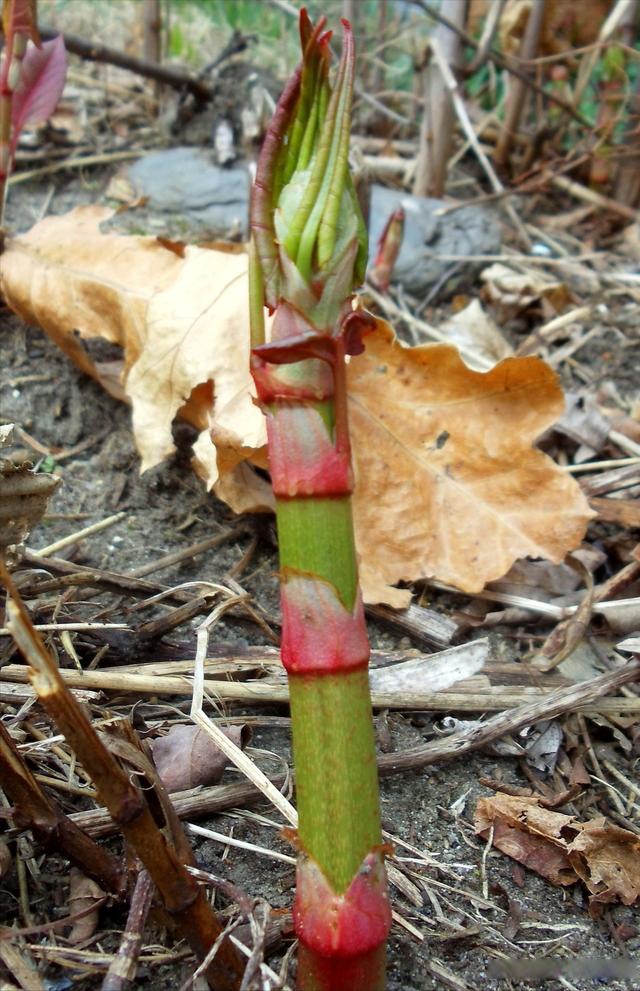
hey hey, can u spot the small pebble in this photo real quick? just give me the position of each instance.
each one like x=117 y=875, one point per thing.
x=541 y=250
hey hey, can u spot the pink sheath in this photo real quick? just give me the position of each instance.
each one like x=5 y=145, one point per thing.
x=274 y=382
x=302 y=459
x=290 y=323
x=318 y=633
x=344 y=925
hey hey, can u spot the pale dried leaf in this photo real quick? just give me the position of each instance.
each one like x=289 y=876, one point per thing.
x=245 y=491
x=83 y=894
x=447 y=481
x=226 y=468
x=511 y=291
x=180 y=316
x=476 y=333
x=194 y=337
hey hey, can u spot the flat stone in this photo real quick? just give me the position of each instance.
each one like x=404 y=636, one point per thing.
x=185 y=181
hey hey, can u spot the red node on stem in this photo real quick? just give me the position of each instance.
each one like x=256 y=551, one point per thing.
x=303 y=461
x=294 y=338
x=319 y=634
x=345 y=925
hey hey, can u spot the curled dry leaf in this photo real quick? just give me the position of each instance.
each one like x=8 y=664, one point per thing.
x=24 y=495
x=565 y=637
x=607 y=858
x=528 y=833
x=187 y=756
x=181 y=318
x=475 y=332
x=448 y=483
x=563 y=849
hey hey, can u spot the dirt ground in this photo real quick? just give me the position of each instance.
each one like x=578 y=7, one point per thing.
x=464 y=908
x=460 y=907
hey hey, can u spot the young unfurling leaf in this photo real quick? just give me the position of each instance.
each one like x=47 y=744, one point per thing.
x=40 y=87
x=306 y=223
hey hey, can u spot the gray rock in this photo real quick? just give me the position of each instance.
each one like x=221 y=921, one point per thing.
x=420 y=267
x=184 y=181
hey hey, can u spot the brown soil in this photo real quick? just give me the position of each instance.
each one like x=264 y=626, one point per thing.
x=469 y=906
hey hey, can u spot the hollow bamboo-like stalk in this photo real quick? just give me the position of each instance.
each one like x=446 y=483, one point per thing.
x=307 y=256
x=436 y=128
x=518 y=93
x=331 y=716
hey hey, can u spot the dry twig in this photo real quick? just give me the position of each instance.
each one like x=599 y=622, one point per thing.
x=122 y=971
x=34 y=810
x=164 y=851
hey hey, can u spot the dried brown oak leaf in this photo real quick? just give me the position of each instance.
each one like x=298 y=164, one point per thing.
x=528 y=833
x=448 y=483
x=563 y=849
x=181 y=317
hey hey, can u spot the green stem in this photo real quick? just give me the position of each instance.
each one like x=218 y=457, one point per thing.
x=332 y=725
x=315 y=535
x=336 y=773
x=333 y=738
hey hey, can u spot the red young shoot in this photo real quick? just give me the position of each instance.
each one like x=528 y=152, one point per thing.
x=32 y=77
